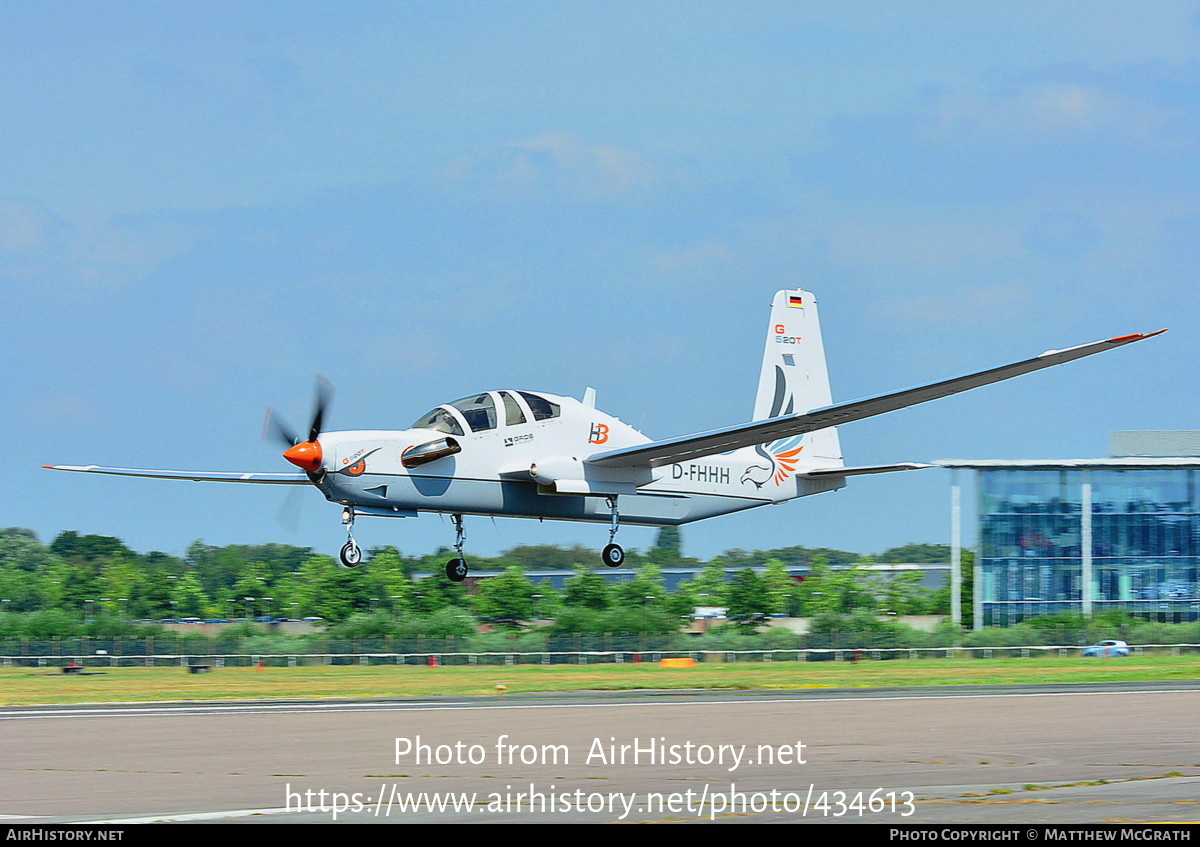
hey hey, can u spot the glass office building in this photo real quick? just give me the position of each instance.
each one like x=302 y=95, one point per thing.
x=1086 y=536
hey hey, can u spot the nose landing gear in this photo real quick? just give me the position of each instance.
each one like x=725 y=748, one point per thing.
x=456 y=568
x=351 y=553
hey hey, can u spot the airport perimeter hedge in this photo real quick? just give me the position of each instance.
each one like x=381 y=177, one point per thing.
x=727 y=638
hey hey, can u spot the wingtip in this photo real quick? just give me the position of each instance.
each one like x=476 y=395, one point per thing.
x=1136 y=336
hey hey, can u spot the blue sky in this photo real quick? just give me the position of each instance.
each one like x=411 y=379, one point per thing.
x=205 y=205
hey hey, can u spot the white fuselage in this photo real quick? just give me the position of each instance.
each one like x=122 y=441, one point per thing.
x=494 y=473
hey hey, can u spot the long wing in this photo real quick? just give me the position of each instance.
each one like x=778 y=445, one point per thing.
x=815 y=473
x=197 y=476
x=680 y=449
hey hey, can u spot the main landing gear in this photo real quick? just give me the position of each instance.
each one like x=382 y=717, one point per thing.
x=456 y=568
x=351 y=553
x=613 y=555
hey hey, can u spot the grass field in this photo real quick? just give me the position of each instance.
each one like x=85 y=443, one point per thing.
x=29 y=686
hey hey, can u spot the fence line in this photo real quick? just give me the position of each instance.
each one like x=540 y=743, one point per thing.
x=540 y=641
x=572 y=657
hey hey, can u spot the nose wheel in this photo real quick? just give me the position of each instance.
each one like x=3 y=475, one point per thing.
x=456 y=568
x=351 y=553
x=613 y=555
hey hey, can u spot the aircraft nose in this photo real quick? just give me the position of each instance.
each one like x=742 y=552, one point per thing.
x=307 y=455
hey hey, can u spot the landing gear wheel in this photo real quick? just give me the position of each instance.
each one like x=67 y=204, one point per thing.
x=351 y=554
x=456 y=570
x=613 y=555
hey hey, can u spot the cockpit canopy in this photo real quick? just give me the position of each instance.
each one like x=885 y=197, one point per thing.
x=479 y=412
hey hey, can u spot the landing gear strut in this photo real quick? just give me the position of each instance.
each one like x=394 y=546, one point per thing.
x=613 y=555
x=456 y=568
x=351 y=553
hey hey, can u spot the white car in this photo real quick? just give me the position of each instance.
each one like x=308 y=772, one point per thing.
x=1106 y=649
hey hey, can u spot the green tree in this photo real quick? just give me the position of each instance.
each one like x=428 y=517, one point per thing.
x=506 y=599
x=388 y=576
x=710 y=584
x=779 y=586
x=449 y=620
x=365 y=625
x=914 y=553
x=72 y=545
x=549 y=604
x=795 y=555
x=188 y=598
x=645 y=590
x=849 y=586
x=21 y=591
x=436 y=592
x=546 y=557
x=668 y=546
x=813 y=591
x=157 y=575
x=219 y=568
x=587 y=589
x=902 y=593
x=73 y=584
x=118 y=579
x=938 y=602
x=577 y=619
x=839 y=591
x=24 y=561
x=684 y=600
x=21 y=550
x=326 y=590
x=749 y=600
x=253 y=581
x=49 y=623
x=631 y=620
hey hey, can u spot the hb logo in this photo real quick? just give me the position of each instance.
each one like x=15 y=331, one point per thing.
x=599 y=434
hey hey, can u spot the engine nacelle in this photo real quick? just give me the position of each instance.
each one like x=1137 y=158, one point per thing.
x=423 y=454
x=569 y=475
x=551 y=469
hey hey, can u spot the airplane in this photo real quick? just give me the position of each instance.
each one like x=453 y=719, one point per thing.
x=531 y=454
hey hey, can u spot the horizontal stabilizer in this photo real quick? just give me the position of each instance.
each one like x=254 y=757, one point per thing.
x=866 y=469
x=658 y=453
x=196 y=476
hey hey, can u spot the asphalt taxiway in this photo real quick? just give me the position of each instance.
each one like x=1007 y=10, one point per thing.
x=977 y=754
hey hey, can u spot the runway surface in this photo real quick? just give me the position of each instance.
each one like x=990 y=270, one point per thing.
x=979 y=754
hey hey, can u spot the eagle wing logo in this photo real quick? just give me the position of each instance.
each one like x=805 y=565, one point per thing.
x=782 y=456
x=780 y=460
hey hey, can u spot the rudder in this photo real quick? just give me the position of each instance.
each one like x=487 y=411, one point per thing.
x=794 y=378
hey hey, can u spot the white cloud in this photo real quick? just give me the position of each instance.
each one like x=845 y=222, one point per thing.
x=690 y=257
x=53 y=409
x=25 y=226
x=36 y=244
x=603 y=168
x=964 y=305
x=558 y=159
x=1045 y=112
x=880 y=239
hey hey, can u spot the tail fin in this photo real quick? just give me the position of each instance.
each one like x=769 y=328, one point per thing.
x=794 y=378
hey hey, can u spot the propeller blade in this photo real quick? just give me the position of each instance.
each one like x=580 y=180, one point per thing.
x=289 y=512
x=324 y=395
x=274 y=425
